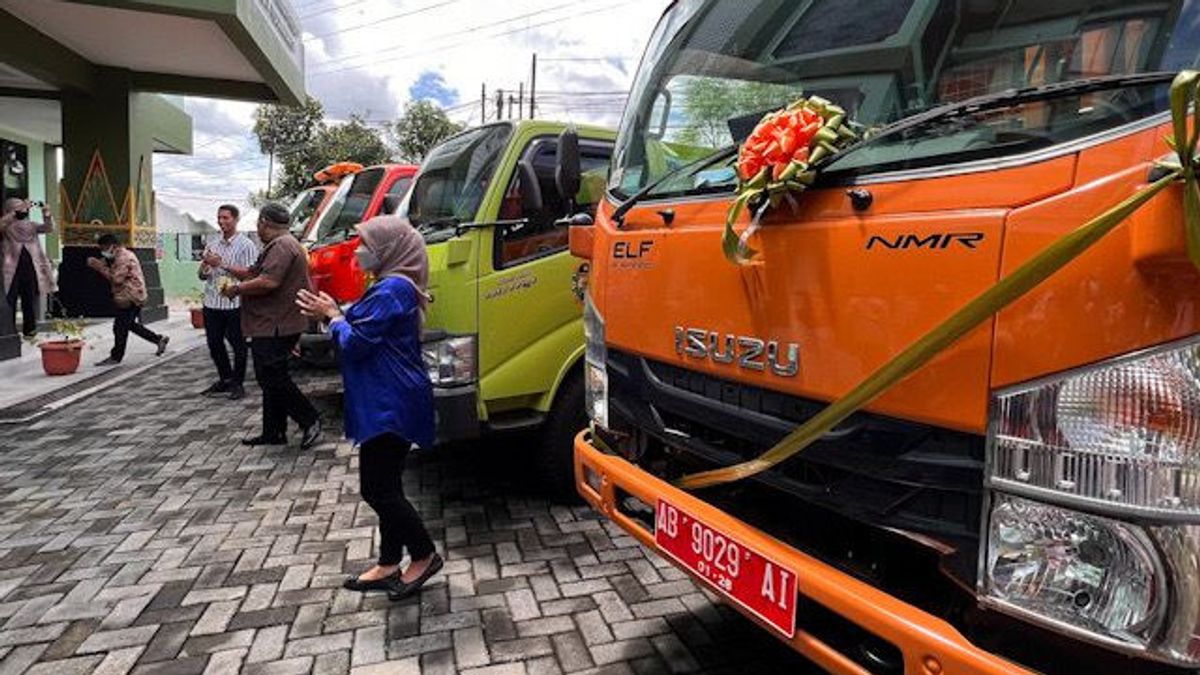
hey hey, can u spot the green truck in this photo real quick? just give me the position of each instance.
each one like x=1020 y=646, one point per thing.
x=504 y=334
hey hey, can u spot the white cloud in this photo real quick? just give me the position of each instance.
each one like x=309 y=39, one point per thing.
x=362 y=58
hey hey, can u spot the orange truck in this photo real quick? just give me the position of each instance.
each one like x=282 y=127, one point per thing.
x=307 y=206
x=1027 y=501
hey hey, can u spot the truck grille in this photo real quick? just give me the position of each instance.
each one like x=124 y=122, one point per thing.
x=893 y=502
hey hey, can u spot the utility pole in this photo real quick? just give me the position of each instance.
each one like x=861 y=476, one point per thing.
x=533 y=87
x=521 y=100
x=499 y=104
x=483 y=103
x=271 y=164
x=512 y=100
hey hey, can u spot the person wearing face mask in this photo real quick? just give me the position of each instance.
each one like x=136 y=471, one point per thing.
x=27 y=270
x=121 y=268
x=388 y=396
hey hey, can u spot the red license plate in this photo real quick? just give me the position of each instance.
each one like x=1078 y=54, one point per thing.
x=744 y=575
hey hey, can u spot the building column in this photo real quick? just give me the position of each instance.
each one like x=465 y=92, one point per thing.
x=10 y=338
x=108 y=156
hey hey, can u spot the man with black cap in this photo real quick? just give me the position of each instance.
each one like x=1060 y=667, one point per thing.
x=273 y=322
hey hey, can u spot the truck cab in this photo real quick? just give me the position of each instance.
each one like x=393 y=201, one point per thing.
x=332 y=267
x=1025 y=501
x=504 y=337
x=307 y=206
x=360 y=196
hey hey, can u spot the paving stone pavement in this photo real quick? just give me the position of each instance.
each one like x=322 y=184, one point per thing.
x=138 y=536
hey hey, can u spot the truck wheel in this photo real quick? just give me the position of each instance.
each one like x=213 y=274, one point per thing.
x=555 y=463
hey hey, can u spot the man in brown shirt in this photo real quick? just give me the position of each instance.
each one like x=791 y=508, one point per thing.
x=121 y=268
x=273 y=322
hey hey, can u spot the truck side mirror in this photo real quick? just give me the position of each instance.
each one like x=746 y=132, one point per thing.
x=531 y=190
x=566 y=174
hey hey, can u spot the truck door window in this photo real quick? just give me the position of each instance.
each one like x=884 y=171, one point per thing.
x=536 y=234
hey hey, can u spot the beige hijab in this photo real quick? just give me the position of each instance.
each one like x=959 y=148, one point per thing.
x=400 y=249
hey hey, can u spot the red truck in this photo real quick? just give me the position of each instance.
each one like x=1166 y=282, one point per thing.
x=368 y=193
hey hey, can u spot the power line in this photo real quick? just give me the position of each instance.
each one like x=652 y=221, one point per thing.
x=590 y=58
x=406 y=55
x=327 y=10
x=385 y=19
x=377 y=48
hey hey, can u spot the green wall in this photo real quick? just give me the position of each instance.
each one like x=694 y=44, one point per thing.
x=179 y=278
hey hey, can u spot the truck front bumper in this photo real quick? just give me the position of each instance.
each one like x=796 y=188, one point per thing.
x=929 y=645
x=457 y=413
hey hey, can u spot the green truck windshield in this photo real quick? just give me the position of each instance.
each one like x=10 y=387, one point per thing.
x=455 y=176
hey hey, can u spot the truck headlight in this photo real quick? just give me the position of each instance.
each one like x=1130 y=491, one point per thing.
x=1094 y=524
x=1086 y=571
x=595 y=376
x=451 y=361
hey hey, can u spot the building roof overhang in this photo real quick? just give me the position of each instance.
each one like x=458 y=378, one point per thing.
x=240 y=49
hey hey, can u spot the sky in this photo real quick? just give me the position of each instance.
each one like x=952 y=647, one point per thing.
x=370 y=57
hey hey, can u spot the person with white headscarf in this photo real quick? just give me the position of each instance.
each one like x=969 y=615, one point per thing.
x=388 y=396
x=27 y=270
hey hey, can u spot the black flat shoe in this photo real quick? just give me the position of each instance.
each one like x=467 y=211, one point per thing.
x=311 y=435
x=264 y=440
x=236 y=392
x=387 y=583
x=402 y=590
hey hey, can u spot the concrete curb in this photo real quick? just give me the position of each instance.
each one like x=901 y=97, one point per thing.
x=55 y=406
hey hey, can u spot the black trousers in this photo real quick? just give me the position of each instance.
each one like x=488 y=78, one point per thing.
x=129 y=320
x=25 y=288
x=380 y=469
x=280 y=395
x=221 y=325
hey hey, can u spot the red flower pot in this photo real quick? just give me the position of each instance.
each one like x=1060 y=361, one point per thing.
x=197 y=318
x=61 y=357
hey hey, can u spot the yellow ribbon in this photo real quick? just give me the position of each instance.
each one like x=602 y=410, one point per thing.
x=1184 y=93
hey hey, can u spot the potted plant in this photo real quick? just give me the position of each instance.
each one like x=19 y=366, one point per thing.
x=61 y=353
x=195 y=304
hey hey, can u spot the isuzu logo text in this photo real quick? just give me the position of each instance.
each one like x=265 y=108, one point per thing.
x=750 y=353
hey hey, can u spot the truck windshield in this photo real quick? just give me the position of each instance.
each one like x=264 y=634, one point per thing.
x=302 y=209
x=348 y=205
x=712 y=70
x=455 y=177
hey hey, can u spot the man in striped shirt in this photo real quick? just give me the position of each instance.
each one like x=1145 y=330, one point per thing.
x=222 y=315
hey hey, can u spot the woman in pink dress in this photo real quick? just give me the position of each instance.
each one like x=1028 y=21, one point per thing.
x=27 y=271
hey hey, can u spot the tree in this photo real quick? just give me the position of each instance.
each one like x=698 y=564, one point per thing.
x=421 y=126
x=351 y=141
x=282 y=130
x=709 y=104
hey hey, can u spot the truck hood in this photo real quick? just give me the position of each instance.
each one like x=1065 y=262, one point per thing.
x=835 y=292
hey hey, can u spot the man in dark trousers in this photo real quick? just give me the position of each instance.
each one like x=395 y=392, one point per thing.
x=273 y=322
x=222 y=315
x=121 y=268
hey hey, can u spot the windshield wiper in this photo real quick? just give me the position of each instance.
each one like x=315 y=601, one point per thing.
x=969 y=106
x=1010 y=97
x=438 y=223
x=618 y=214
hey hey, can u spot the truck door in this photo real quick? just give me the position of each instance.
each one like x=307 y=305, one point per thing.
x=529 y=319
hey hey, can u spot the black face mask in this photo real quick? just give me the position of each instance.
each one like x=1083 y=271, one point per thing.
x=21 y=215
